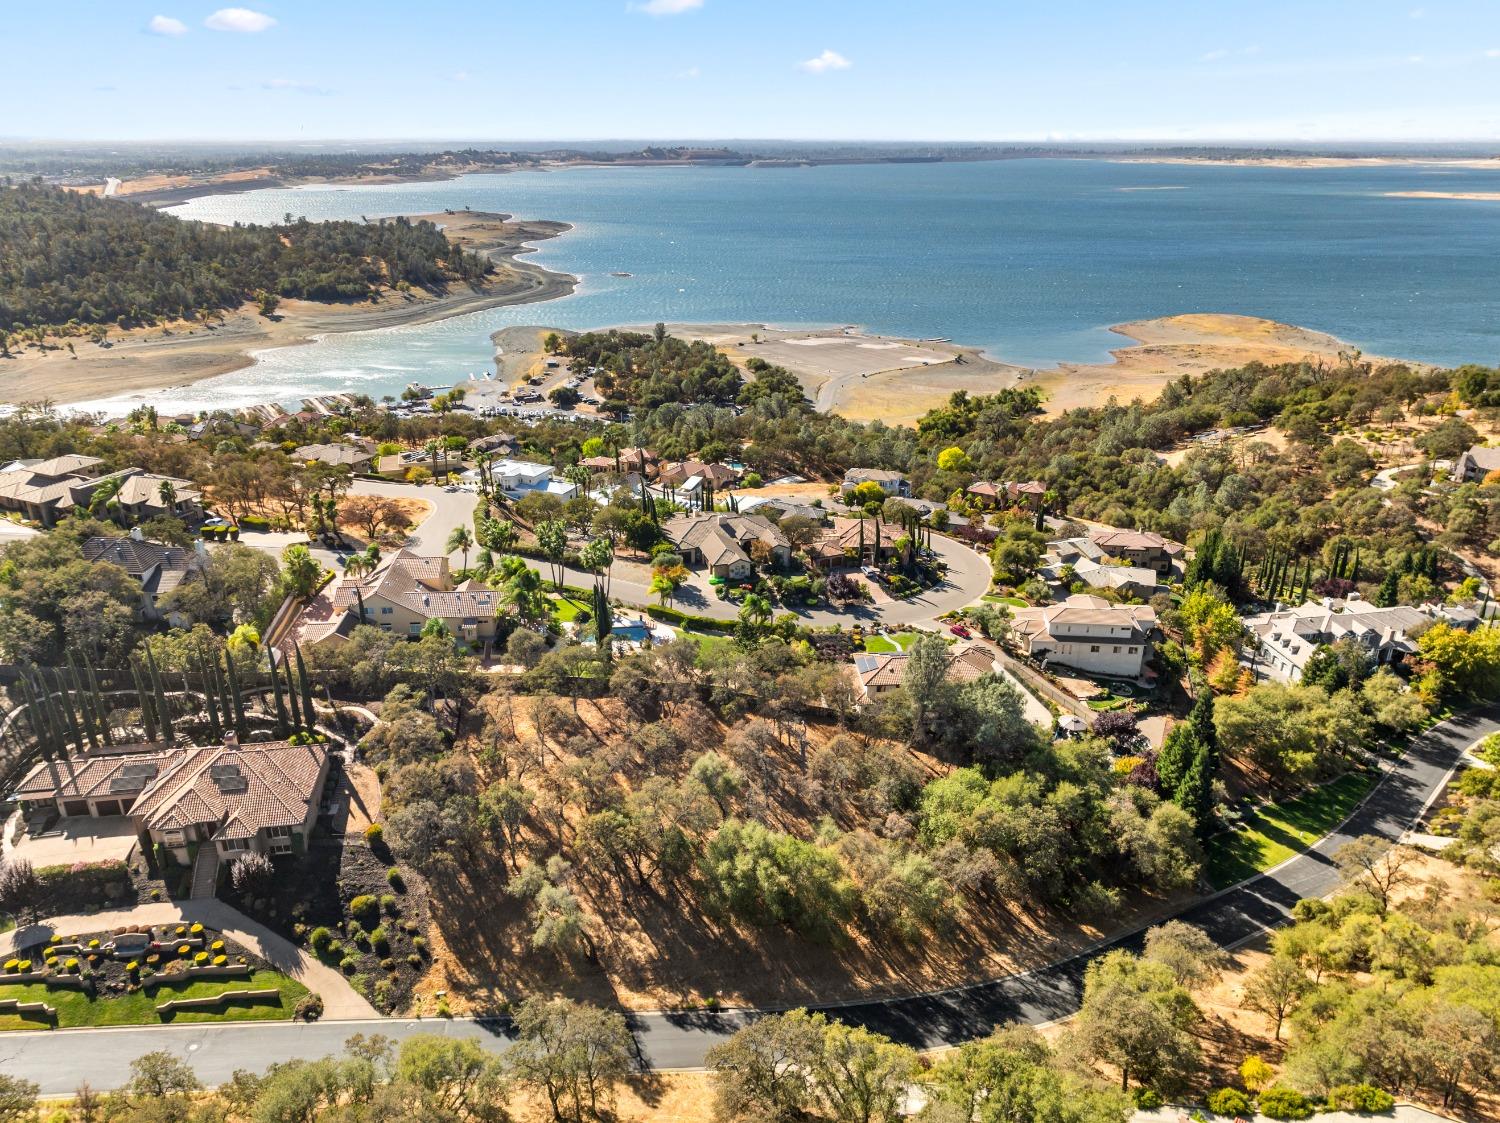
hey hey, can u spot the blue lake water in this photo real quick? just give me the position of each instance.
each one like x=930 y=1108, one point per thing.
x=1030 y=259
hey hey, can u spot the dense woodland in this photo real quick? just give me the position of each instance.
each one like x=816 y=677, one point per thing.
x=68 y=259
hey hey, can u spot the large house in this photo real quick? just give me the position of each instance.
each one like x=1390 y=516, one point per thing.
x=987 y=494
x=1139 y=547
x=1091 y=567
x=724 y=542
x=520 y=477
x=639 y=460
x=677 y=473
x=1286 y=638
x=401 y=596
x=337 y=455
x=878 y=674
x=892 y=483
x=220 y=800
x=159 y=569
x=1089 y=634
x=1475 y=464
x=47 y=490
x=854 y=542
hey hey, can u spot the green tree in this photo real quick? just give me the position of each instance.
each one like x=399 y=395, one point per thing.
x=1137 y=1018
x=573 y=1054
x=301 y=573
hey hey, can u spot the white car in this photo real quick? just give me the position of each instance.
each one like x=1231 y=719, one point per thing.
x=870 y=571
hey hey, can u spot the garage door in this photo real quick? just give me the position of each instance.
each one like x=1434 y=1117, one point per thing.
x=109 y=807
x=76 y=807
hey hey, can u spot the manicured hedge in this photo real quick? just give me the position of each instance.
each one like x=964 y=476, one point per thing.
x=687 y=620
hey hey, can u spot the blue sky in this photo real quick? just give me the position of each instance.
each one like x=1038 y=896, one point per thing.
x=815 y=69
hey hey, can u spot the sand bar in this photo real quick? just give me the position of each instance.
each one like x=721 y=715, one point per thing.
x=1482 y=196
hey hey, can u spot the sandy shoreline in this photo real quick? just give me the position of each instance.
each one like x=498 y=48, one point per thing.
x=180 y=354
x=1481 y=163
x=1481 y=196
x=867 y=377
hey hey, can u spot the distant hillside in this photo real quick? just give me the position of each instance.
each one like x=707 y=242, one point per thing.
x=69 y=258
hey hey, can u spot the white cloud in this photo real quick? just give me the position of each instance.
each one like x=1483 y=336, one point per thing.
x=461 y=76
x=238 y=19
x=1418 y=13
x=1492 y=53
x=296 y=86
x=1416 y=60
x=666 y=7
x=828 y=60
x=1215 y=56
x=166 y=25
x=690 y=72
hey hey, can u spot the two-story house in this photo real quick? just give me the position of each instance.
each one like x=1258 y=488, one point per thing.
x=892 y=483
x=1087 y=633
x=725 y=543
x=1139 y=547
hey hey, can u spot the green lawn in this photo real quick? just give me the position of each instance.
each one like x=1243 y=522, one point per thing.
x=566 y=608
x=1281 y=830
x=1014 y=602
x=879 y=645
x=74 y=1008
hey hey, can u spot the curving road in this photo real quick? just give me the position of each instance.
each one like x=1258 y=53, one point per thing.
x=669 y=1040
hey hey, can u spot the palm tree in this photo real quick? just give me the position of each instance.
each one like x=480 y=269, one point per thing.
x=432 y=448
x=482 y=461
x=461 y=540
x=168 y=492
x=356 y=565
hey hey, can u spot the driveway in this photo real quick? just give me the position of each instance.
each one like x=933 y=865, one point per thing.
x=680 y=1040
x=74 y=839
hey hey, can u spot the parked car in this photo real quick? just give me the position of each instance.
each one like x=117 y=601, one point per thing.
x=870 y=571
x=960 y=631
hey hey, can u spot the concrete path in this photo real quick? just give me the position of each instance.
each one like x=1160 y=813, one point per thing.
x=341 y=1002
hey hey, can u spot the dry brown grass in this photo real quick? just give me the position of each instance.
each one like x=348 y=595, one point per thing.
x=662 y=947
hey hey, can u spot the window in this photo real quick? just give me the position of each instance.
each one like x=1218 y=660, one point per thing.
x=1116 y=651
x=386 y=610
x=1094 y=649
x=1130 y=651
x=233 y=844
x=278 y=832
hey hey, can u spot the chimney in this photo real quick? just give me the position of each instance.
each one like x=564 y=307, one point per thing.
x=137 y=534
x=231 y=740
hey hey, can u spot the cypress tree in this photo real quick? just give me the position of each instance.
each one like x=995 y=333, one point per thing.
x=64 y=704
x=148 y=718
x=241 y=729
x=101 y=704
x=309 y=713
x=1354 y=568
x=281 y=718
x=1201 y=721
x=163 y=707
x=1195 y=794
x=1389 y=591
x=85 y=710
x=216 y=731
x=1177 y=752
x=293 y=705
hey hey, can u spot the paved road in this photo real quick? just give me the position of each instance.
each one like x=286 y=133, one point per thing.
x=968 y=571
x=670 y=1041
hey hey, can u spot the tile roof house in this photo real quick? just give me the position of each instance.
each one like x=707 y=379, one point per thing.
x=877 y=674
x=639 y=460
x=723 y=542
x=46 y=490
x=337 y=455
x=1087 y=633
x=1286 y=638
x=401 y=596
x=892 y=483
x=1089 y=566
x=1139 y=547
x=160 y=569
x=1476 y=463
x=676 y=473
x=840 y=543
x=262 y=797
x=983 y=490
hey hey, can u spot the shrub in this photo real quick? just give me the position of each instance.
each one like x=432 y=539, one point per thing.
x=1229 y=1101
x=1147 y=1099
x=365 y=909
x=420 y=943
x=196 y=929
x=320 y=939
x=93 y=944
x=388 y=904
x=442 y=1008
x=397 y=882
x=201 y=958
x=1364 y=1098
x=309 y=1008
x=71 y=965
x=220 y=960
x=375 y=834
x=183 y=949
x=348 y=965
x=11 y=966
x=388 y=964
x=180 y=930
x=380 y=942
x=1285 y=1103
x=217 y=945
x=415 y=961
